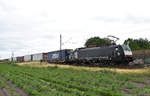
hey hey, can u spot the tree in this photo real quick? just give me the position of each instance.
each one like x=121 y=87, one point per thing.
x=97 y=41
x=138 y=44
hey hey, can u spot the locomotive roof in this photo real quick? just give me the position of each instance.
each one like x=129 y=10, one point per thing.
x=97 y=47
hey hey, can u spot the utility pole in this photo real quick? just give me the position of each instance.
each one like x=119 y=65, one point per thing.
x=60 y=46
x=12 y=55
x=60 y=41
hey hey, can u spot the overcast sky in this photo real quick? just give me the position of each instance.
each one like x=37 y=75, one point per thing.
x=34 y=26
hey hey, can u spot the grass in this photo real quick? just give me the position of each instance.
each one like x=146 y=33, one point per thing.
x=50 y=80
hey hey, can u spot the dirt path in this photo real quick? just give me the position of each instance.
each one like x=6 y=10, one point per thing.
x=4 y=92
x=10 y=89
x=128 y=92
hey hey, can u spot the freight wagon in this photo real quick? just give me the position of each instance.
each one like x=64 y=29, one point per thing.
x=39 y=57
x=27 y=58
x=14 y=59
x=20 y=59
x=45 y=56
x=9 y=59
x=58 y=56
x=5 y=60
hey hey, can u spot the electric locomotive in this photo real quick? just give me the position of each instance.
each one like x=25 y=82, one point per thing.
x=108 y=54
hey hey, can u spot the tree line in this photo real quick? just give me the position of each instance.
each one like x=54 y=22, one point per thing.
x=135 y=44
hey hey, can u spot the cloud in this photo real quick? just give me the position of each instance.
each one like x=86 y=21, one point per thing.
x=11 y=44
x=137 y=19
x=22 y=29
x=33 y=26
x=5 y=7
x=106 y=19
x=127 y=19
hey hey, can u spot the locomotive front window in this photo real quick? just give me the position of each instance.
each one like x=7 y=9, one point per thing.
x=126 y=47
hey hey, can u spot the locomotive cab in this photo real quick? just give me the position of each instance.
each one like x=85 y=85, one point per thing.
x=127 y=53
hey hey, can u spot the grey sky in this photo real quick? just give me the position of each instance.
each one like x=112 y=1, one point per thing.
x=33 y=26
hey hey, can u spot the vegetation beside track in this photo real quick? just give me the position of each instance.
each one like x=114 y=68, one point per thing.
x=55 y=81
x=139 y=70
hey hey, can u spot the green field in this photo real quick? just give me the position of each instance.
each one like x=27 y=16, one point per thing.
x=54 y=81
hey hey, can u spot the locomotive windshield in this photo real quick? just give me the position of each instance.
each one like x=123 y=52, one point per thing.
x=126 y=48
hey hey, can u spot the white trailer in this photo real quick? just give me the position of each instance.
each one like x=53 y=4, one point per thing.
x=38 y=57
x=27 y=58
x=9 y=59
x=14 y=59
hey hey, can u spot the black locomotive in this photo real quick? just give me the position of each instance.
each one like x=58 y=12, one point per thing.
x=107 y=54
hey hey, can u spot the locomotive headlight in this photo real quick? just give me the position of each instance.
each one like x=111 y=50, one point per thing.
x=118 y=53
x=116 y=49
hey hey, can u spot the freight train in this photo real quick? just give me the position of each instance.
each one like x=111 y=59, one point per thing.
x=100 y=55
